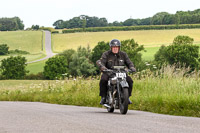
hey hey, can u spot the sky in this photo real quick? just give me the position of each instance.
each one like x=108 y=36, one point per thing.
x=46 y=12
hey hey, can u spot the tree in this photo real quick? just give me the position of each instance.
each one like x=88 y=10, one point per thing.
x=81 y=64
x=35 y=27
x=181 y=40
x=11 y=24
x=55 y=67
x=133 y=50
x=181 y=53
x=160 y=56
x=3 y=49
x=97 y=51
x=58 y=24
x=131 y=47
x=14 y=67
x=67 y=54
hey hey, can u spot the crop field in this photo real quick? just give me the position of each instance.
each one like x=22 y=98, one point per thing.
x=30 y=41
x=148 y=38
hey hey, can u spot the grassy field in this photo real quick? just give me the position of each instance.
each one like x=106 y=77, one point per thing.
x=36 y=67
x=172 y=94
x=148 y=38
x=30 y=41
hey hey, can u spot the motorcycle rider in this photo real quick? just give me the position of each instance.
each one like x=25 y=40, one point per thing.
x=110 y=58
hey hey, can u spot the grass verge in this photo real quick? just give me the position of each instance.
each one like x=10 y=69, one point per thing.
x=170 y=94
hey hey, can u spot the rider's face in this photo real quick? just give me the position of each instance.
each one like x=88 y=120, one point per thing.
x=115 y=49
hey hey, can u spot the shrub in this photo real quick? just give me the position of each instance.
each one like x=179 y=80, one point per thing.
x=38 y=76
x=81 y=64
x=97 y=51
x=14 y=67
x=3 y=49
x=179 y=40
x=17 y=51
x=181 y=52
x=55 y=32
x=55 y=67
x=67 y=54
x=160 y=56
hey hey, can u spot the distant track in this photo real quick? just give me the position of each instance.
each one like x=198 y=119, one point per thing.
x=49 y=52
x=35 y=117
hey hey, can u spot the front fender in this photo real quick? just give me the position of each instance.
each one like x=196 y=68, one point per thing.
x=124 y=84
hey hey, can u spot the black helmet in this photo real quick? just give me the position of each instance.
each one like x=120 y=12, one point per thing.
x=115 y=42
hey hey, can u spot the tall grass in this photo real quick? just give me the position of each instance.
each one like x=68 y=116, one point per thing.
x=168 y=93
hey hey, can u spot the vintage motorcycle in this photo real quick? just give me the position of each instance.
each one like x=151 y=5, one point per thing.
x=117 y=94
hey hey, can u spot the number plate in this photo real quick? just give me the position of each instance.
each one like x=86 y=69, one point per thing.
x=121 y=75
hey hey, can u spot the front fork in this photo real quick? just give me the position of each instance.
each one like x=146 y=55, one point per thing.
x=119 y=92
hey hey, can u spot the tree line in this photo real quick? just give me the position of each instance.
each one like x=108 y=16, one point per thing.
x=11 y=24
x=82 y=62
x=161 y=18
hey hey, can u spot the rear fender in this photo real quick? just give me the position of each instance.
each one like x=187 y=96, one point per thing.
x=124 y=84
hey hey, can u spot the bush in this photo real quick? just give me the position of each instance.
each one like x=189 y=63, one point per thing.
x=133 y=50
x=55 y=32
x=38 y=76
x=97 y=51
x=17 y=51
x=81 y=64
x=160 y=56
x=179 y=40
x=181 y=52
x=55 y=67
x=183 y=55
x=67 y=54
x=131 y=47
x=3 y=49
x=14 y=67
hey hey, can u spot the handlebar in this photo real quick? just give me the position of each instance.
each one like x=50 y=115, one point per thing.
x=126 y=70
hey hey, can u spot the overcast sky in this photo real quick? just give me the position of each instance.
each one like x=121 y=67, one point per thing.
x=46 y=12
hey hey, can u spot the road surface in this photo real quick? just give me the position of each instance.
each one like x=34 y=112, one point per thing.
x=49 y=52
x=35 y=117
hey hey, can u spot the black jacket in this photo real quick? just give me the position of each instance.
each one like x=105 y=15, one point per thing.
x=109 y=59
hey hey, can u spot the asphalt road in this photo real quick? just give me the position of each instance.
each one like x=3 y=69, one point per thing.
x=34 y=117
x=49 y=52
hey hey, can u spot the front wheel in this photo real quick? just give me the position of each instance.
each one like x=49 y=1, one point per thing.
x=124 y=101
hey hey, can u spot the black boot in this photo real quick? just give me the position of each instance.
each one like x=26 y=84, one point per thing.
x=129 y=101
x=103 y=100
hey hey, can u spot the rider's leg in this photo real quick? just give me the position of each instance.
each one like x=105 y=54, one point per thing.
x=130 y=83
x=103 y=87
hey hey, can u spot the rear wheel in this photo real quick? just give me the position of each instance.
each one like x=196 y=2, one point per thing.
x=124 y=101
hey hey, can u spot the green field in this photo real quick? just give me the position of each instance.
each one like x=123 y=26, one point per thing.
x=36 y=67
x=148 y=38
x=30 y=41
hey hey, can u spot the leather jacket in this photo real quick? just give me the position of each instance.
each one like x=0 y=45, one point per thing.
x=109 y=59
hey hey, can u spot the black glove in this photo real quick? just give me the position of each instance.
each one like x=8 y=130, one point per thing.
x=103 y=68
x=133 y=69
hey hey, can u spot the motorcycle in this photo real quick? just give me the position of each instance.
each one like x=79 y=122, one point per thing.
x=117 y=93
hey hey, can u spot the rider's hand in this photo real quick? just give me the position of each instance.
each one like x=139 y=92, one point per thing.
x=133 y=69
x=103 y=68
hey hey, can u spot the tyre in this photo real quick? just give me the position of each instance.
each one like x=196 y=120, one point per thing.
x=124 y=101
